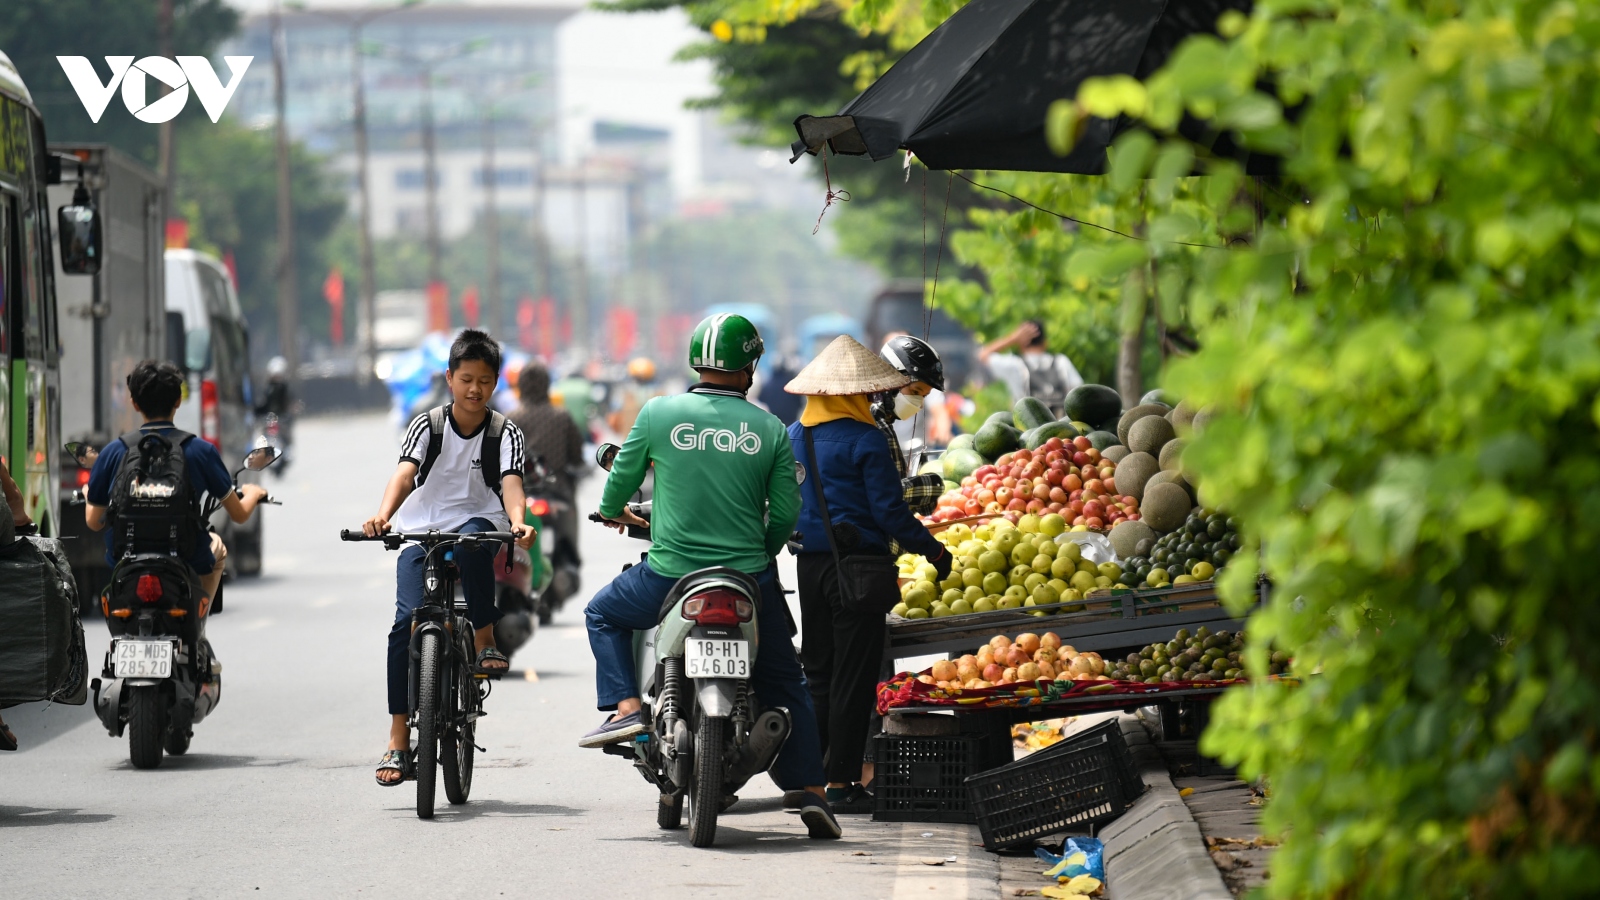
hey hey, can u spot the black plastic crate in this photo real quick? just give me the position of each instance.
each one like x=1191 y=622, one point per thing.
x=1087 y=779
x=922 y=778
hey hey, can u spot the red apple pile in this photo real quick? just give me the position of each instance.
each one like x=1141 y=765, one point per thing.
x=1069 y=479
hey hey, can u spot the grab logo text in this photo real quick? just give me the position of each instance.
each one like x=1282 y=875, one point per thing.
x=133 y=77
x=746 y=441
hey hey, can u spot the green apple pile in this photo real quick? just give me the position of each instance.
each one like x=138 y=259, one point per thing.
x=998 y=565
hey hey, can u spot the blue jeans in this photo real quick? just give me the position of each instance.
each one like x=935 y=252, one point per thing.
x=476 y=568
x=632 y=602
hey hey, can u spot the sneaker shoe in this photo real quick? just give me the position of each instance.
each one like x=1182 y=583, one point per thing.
x=794 y=799
x=613 y=731
x=820 y=823
x=853 y=800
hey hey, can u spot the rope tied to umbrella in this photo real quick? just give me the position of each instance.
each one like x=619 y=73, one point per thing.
x=841 y=195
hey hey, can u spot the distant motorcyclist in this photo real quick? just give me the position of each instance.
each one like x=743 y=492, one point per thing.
x=278 y=400
x=633 y=394
x=553 y=437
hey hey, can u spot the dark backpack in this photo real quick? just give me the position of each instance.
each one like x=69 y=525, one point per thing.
x=154 y=508
x=492 y=432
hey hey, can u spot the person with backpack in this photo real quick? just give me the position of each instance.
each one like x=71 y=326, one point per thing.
x=183 y=466
x=1036 y=372
x=460 y=470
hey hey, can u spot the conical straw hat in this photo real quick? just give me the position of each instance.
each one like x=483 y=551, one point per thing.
x=843 y=368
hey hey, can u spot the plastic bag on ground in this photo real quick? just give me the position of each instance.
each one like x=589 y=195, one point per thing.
x=42 y=653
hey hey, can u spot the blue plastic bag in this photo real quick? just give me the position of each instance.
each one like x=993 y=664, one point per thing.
x=1079 y=856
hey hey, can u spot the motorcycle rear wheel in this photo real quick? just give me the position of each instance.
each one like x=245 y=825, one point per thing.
x=705 y=794
x=427 y=764
x=145 y=727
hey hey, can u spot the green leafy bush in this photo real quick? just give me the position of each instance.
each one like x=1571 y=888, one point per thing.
x=1404 y=362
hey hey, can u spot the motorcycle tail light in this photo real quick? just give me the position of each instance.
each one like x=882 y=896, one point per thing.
x=83 y=477
x=149 y=589
x=539 y=506
x=718 y=606
x=210 y=418
x=122 y=613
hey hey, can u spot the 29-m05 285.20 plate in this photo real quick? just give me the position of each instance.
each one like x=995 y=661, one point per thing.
x=133 y=658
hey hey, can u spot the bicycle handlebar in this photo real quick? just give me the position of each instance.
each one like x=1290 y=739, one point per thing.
x=430 y=537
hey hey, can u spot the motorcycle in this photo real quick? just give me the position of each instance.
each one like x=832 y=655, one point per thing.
x=555 y=558
x=706 y=732
x=273 y=430
x=161 y=677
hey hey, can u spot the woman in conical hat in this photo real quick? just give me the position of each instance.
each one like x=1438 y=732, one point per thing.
x=854 y=471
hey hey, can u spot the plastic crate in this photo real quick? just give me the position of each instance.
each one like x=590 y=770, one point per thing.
x=1087 y=779
x=922 y=778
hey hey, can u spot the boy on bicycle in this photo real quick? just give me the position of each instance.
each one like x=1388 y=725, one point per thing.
x=444 y=483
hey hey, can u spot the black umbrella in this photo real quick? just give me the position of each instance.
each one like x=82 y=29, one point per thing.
x=974 y=94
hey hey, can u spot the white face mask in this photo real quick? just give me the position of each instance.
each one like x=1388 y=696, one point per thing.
x=906 y=406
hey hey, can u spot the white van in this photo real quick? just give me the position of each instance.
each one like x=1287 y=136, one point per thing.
x=220 y=404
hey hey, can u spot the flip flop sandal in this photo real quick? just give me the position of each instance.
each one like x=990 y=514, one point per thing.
x=8 y=741
x=491 y=653
x=395 y=761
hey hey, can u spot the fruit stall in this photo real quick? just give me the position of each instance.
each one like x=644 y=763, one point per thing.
x=1082 y=578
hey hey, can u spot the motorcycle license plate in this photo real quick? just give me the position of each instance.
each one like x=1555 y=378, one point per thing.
x=716 y=658
x=143 y=659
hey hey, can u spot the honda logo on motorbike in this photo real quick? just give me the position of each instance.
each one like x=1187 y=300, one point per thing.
x=186 y=72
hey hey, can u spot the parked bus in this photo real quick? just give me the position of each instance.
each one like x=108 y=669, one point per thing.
x=30 y=379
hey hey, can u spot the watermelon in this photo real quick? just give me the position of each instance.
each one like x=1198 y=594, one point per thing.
x=958 y=464
x=1029 y=413
x=1034 y=438
x=1100 y=440
x=1093 y=403
x=960 y=442
x=996 y=438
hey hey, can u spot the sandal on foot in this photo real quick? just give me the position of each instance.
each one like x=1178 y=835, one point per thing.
x=491 y=654
x=395 y=761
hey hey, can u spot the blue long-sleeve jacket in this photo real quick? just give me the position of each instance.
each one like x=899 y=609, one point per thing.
x=859 y=478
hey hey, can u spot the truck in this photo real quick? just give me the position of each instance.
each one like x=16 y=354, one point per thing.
x=30 y=343
x=900 y=306
x=109 y=321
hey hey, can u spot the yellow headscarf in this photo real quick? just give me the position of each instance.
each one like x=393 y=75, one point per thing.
x=823 y=408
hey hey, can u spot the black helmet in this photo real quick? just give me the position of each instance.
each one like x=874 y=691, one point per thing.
x=914 y=357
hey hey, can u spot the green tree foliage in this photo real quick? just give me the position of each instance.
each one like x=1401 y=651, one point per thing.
x=226 y=188
x=34 y=32
x=1403 y=363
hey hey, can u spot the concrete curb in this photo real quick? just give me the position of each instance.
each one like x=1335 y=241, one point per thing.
x=1155 y=849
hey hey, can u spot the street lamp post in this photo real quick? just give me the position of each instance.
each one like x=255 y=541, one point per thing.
x=491 y=223
x=369 y=288
x=288 y=300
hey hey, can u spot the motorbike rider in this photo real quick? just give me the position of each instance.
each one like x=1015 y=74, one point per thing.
x=917 y=359
x=156 y=389
x=278 y=400
x=450 y=495
x=725 y=494
x=633 y=395
x=553 y=437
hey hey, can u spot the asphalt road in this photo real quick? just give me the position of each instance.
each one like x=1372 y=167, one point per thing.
x=276 y=796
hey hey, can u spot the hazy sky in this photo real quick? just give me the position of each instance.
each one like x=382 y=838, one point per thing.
x=611 y=66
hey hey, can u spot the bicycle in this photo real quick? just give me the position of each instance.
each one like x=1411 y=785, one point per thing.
x=446 y=696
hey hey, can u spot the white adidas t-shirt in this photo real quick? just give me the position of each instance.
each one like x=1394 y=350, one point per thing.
x=455 y=490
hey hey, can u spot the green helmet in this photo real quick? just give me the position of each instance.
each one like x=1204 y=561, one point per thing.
x=725 y=342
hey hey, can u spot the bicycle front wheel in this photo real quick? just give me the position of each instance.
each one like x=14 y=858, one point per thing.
x=429 y=666
x=457 y=747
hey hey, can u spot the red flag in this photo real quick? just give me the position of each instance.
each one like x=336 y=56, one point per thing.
x=333 y=292
x=469 y=305
x=438 y=306
x=547 y=328
x=177 y=237
x=525 y=323
x=624 y=328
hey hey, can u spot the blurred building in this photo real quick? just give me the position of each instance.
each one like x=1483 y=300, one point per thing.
x=494 y=77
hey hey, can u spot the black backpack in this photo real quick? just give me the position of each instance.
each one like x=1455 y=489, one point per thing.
x=492 y=433
x=154 y=508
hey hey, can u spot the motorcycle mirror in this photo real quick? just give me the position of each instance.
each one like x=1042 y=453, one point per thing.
x=605 y=455
x=82 y=453
x=260 y=458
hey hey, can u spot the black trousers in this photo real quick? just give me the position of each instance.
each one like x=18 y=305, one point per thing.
x=842 y=653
